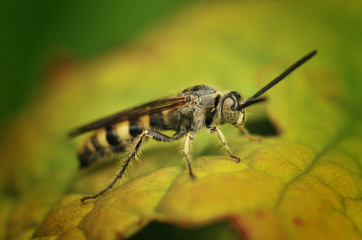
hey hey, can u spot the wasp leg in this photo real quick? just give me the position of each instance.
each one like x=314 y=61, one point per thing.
x=163 y=138
x=223 y=141
x=159 y=136
x=179 y=134
x=189 y=137
x=132 y=153
x=248 y=135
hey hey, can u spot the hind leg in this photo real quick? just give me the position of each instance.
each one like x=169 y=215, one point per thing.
x=132 y=153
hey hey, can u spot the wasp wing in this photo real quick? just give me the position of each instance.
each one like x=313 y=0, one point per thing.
x=133 y=113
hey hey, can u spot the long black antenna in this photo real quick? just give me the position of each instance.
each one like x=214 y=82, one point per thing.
x=252 y=99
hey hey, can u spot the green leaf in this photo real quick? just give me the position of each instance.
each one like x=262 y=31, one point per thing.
x=303 y=183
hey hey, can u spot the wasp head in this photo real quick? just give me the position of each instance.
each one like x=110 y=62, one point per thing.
x=231 y=111
x=230 y=108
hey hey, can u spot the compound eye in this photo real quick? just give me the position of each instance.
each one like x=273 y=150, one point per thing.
x=229 y=115
x=229 y=102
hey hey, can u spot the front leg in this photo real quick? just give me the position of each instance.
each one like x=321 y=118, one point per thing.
x=223 y=141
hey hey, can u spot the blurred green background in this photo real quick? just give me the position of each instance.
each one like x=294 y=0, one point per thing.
x=36 y=36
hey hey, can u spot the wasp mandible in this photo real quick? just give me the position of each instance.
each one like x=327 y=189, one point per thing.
x=194 y=109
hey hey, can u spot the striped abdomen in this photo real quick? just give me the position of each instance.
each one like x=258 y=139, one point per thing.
x=114 y=139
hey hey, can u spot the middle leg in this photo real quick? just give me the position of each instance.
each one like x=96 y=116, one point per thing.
x=188 y=138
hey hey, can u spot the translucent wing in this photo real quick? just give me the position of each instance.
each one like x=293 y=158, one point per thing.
x=134 y=113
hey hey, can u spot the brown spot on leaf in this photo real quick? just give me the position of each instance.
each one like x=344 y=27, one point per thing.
x=259 y=214
x=298 y=221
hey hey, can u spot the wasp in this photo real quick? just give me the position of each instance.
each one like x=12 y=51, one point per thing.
x=192 y=110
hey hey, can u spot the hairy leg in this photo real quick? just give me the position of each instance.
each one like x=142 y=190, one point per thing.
x=132 y=153
x=189 y=137
x=223 y=141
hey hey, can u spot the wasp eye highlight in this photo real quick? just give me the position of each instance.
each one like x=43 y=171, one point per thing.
x=229 y=102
